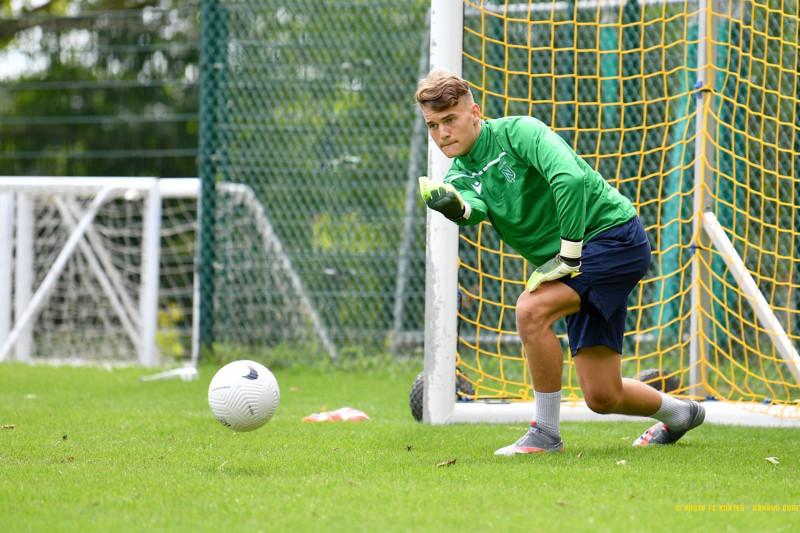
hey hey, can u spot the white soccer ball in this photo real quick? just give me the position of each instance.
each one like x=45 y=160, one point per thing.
x=243 y=395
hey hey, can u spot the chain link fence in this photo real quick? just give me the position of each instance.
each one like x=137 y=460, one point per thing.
x=299 y=118
x=309 y=106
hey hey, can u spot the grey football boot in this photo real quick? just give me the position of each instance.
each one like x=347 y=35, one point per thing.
x=534 y=441
x=660 y=434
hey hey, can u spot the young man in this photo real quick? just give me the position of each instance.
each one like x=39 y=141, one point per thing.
x=550 y=206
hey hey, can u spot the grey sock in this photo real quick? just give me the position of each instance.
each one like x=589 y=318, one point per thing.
x=547 y=412
x=673 y=412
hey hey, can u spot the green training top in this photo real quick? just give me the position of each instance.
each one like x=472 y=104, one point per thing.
x=525 y=179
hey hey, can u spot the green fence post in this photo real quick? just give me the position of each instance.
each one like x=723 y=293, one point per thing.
x=212 y=105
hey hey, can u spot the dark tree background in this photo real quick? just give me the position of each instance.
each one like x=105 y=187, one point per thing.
x=100 y=88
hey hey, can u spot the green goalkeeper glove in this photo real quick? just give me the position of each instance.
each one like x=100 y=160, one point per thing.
x=444 y=198
x=564 y=263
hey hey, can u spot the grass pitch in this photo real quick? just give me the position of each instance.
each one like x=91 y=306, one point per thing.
x=88 y=449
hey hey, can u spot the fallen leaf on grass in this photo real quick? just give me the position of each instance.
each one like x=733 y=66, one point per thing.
x=562 y=503
x=451 y=462
x=626 y=438
x=580 y=454
x=773 y=460
x=8 y=426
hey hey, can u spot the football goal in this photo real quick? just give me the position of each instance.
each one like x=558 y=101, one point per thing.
x=690 y=108
x=104 y=270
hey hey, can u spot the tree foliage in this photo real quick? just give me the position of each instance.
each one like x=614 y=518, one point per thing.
x=104 y=87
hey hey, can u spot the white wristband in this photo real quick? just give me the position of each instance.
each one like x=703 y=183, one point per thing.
x=571 y=249
x=467 y=211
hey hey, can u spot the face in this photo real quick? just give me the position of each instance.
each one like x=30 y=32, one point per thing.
x=455 y=129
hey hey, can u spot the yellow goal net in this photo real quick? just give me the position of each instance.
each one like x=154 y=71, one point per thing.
x=689 y=108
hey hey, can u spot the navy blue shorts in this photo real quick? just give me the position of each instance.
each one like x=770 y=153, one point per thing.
x=612 y=264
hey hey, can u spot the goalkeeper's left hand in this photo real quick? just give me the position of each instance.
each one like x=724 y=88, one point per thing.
x=567 y=262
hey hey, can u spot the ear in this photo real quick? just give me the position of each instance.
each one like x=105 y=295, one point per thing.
x=476 y=113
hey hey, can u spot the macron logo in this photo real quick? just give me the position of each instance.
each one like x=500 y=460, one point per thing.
x=478 y=186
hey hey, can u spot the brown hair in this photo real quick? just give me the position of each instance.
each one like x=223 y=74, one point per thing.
x=440 y=90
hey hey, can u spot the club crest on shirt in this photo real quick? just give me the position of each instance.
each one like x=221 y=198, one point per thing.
x=508 y=172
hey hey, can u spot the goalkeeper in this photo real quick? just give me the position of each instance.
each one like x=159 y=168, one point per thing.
x=550 y=206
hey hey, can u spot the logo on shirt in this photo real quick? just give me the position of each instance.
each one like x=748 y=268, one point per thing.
x=508 y=172
x=478 y=186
